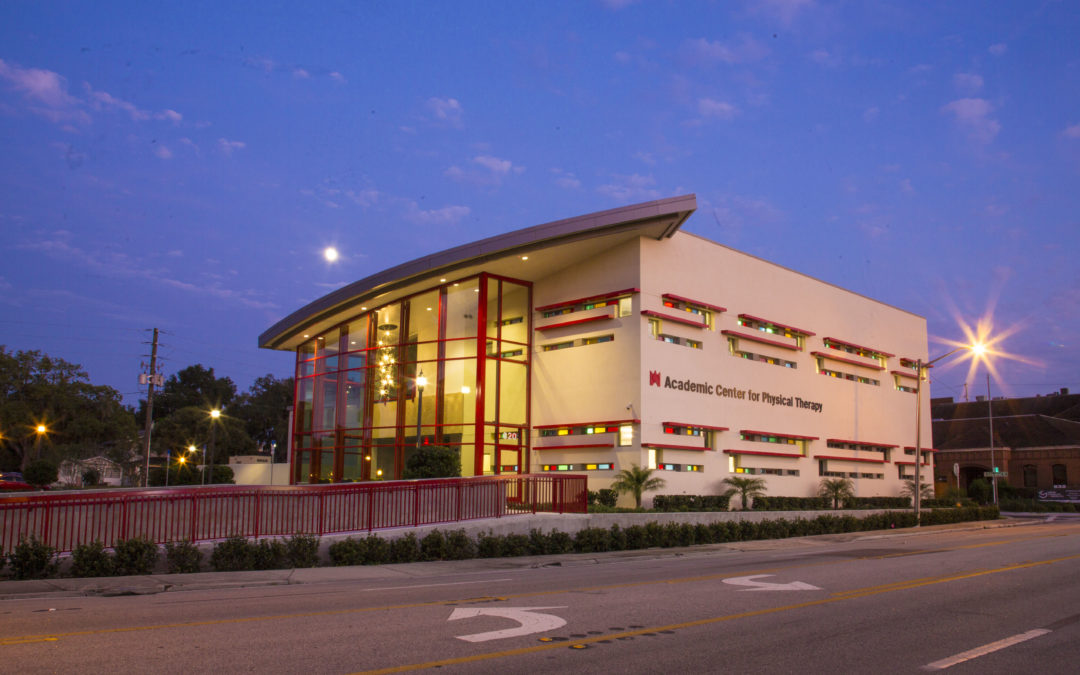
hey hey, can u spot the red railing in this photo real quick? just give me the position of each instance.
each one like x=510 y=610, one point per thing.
x=65 y=520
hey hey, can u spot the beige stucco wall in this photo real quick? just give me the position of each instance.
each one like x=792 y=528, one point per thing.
x=597 y=382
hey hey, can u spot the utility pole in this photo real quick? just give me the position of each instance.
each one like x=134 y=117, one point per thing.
x=151 y=381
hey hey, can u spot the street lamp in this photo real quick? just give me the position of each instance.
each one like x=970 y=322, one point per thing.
x=40 y=430
x=977 y=350
x=421 y=381
x=215 y=415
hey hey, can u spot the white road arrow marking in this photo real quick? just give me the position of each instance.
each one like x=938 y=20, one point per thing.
x=531 y=620
x=768 y=586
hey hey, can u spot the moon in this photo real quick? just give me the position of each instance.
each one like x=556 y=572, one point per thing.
x=330 y=253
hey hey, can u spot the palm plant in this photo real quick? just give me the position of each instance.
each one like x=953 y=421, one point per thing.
x=925 y=490
x=746 y=488
x=837 y=490
x=636 y=480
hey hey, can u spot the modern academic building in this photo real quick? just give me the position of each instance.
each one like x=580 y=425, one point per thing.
x=595 y=343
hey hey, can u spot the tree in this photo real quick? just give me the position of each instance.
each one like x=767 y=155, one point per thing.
x=80 y=419
x=193 y=387
x=979 y=490
x=926 y=491
x=636 y=481
x=191 y=426
x=41 y=473
x=837 y=490
x=90 y=477
x=433 y=461
x=746 y=488
x=265 y=411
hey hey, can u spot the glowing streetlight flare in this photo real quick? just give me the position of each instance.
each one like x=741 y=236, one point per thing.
x=215 y=413
x=330 y=254
x=40 y=428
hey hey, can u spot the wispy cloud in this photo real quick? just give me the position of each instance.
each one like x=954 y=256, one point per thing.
x=784 y=11
x=117 y=265
x=333 y=197
x=702 y=52
x=998 y=49
x=974 y=116
x=871 y=113
x=566 y=180
x=629 y=188
x=447 y=215
x=162 y=152
x=617 y=4
x=709 y=107
x=823 y=57
x=47 y=95
x=1072 y=131
x=227 y=147
x=969 y=83
x=492 y=170
x=446 y=110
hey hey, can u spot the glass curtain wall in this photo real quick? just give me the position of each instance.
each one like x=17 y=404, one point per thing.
x=410 y=373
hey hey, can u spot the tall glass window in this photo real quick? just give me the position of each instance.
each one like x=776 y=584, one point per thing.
x=447 y=366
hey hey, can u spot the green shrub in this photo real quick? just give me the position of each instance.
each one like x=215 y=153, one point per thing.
x=302 y=550
x=32 y=559
x=91 y=560
x=182 y=557
x=489 y=545
x=459 y=546
x=433 y=461
x=691 y=502
x=233 y=555
x=433 y=546
x=134 y=556
x=405 y=549
x=636 y=538
x=372 y=550
x=40 y=473
x=979 y=490
x=603 y=497
x=592 y=540
x=515 y=545
x=539 y=543
x=617 y=537
x=269 y=554
x=560 y=542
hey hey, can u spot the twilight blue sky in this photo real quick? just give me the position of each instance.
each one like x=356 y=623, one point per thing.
x=183 y=166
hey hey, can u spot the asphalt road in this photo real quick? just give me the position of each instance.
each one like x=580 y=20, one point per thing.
x=997 y=600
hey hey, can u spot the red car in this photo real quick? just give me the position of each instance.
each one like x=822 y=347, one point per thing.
x=13 y=481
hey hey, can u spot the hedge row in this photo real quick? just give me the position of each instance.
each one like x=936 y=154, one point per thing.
x=456 y=545
x=821 y=503
x=691 y=502
x=32 y=559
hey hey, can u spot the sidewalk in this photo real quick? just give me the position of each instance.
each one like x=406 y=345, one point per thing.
x=168 y=583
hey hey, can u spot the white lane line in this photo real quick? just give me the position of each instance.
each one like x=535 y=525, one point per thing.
x=453 y=583
x=985 y=649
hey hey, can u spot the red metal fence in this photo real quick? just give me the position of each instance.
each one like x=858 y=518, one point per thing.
x=65 y=520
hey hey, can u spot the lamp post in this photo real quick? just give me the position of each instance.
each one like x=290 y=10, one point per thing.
x=421 y=381
x=40 y=430
x=978 y=349
x=993 y=464
x=168 y=462
x=215 y=414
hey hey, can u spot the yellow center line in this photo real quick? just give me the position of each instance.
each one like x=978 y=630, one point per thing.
x=858 y=593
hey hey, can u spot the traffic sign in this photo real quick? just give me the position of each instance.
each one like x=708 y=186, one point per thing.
x=988 y=474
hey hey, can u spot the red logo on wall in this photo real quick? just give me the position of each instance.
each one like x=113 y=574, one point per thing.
x=654 y=377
